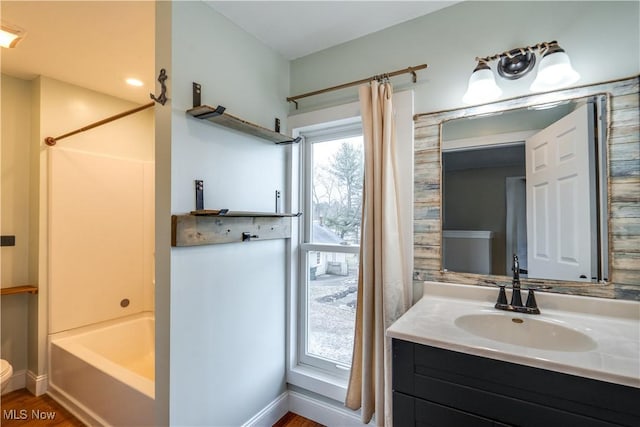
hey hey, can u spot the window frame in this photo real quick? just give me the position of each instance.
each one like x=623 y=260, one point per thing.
x=323 y=133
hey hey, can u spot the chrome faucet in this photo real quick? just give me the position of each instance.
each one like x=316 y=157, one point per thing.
x=531 y=306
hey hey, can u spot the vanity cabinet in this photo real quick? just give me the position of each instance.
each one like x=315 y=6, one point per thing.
x=438 y=387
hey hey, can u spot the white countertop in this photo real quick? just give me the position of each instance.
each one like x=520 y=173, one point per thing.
x=613 y=324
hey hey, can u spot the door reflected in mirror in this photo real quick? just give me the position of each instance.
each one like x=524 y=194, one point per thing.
x=527 y=182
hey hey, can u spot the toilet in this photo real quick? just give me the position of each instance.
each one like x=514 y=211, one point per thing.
x=6 y=371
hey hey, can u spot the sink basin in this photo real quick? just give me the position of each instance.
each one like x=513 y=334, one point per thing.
x=526 y=332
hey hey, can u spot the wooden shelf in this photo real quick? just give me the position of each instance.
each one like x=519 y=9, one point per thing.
x=218 y=116
x=25 y=289
x=238 y=214
x=210 y=227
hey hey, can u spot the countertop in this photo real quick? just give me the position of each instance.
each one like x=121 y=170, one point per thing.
x=613 y=324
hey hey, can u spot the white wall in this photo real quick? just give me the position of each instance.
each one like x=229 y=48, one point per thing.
x=14 y=216
x=601 y=38
x=227 y=309
x=16 y=133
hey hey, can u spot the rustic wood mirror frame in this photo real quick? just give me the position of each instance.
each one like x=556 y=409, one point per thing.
x=623 y=154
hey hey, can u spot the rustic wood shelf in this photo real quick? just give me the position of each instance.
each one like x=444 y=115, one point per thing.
x=25 y=289
x=228 y=213
x=218 y=116
x=210 y=227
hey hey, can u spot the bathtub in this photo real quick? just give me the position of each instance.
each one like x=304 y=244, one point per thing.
x=104 y=373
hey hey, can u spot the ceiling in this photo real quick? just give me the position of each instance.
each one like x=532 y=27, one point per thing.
x=92 y=44
x=98 y=44
x=299 y=28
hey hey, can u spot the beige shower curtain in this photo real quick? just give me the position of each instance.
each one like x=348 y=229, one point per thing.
x=383 y=291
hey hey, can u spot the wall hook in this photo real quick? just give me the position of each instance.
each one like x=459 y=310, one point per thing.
x=162 y=99
x=248 y=236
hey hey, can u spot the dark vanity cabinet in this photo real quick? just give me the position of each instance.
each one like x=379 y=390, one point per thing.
x=437 y=387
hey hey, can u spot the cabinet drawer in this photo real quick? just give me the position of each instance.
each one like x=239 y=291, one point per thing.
x=499 y=407
x=411 y=411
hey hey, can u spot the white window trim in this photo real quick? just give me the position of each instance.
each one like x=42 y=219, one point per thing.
x=303 y=376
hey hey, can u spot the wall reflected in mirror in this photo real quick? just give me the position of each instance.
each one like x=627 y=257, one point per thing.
x=528 y=182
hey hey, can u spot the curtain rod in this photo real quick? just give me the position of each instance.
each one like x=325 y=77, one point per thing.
x=411 y=70
x=51 y=141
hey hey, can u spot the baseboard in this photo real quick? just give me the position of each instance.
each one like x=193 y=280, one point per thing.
x=36 y=384
x=309 y=407
x=322 y=412
x=290 y=401
x=271 y=413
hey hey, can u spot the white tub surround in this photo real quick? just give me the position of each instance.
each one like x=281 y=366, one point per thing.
x=613 y=325
x=105 y=373
x=115 y=263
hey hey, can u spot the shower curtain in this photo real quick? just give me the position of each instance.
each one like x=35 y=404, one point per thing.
x=383 y=291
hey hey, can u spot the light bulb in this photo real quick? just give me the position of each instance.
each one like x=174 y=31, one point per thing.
x=555 y=71
x=482 y=86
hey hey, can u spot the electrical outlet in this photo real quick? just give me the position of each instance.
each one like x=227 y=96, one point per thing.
x=7 y=240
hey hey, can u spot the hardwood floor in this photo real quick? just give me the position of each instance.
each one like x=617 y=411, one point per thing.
x=22 y=409
x=294 y=420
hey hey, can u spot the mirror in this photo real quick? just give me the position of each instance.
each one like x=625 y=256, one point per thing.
x=530 y=182
x=620 y=215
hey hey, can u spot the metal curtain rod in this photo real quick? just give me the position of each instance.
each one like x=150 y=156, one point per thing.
x=411 y=70
x=51 y=141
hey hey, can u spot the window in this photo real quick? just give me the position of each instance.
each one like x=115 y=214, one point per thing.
x=332 y=170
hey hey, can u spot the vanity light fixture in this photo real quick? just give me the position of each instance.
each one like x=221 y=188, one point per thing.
x=10 y=35
x=554 y=71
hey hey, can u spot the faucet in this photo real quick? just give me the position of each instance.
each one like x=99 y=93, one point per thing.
x=530 y=307
x=516 y=299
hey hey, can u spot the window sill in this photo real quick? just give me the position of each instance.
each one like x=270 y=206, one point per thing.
x=319 y=382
